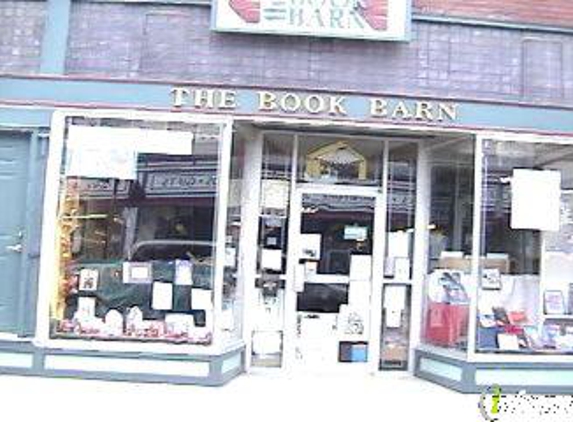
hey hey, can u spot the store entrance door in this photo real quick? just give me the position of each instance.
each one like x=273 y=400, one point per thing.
x=14 y=152
x=331 y=277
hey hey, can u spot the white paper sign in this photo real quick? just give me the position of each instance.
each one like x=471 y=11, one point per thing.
x=201 y=299
x=360 y=267
x=399 y=244
x=183 y=272
x=275 y=194
x=162 y=296
x=272 y=259
x=535 y=199
x=86 y=307
x=93 y=162
x=358 y=233
x=310 y=244
x=359 y=294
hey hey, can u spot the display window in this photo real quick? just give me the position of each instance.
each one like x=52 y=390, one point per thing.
x=525 y=287
x=448 y=282
x=136 y=231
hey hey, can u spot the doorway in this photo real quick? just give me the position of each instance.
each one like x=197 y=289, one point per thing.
x=332 y=281
x=337 y=224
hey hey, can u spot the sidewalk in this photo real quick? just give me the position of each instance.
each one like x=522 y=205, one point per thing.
x=248 y=398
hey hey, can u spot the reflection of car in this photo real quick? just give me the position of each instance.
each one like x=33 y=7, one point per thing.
x=171 y=249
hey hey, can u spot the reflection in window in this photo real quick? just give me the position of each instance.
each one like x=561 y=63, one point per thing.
x=135 y=223
x=328 y=159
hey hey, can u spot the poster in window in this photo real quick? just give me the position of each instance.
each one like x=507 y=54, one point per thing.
x=535 y=199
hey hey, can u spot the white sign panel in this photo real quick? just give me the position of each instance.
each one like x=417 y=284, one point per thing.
x=366 y=19
x=535 y=199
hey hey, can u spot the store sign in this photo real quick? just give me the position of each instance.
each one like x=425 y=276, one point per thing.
x=366 y=19
x=316 y=105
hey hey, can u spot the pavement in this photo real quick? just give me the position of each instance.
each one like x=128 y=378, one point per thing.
x=268 y=397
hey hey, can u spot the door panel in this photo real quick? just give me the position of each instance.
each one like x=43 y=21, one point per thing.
x=14 y=149
x=335 y=261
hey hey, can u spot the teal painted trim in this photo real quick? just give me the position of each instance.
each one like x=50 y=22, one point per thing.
x=55 y=40
x=28 y=350
x=24 y=118
x=516 y=26
x=25 y=308
x=64 y=92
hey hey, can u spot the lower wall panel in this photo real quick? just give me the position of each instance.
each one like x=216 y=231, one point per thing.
x=476 y=377
x=25 y=359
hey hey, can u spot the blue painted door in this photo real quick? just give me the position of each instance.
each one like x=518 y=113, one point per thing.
x=14 y=150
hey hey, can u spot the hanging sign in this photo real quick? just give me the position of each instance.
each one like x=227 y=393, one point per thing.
x=366 y=19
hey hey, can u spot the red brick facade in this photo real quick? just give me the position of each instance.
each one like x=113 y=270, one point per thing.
x=544 y=12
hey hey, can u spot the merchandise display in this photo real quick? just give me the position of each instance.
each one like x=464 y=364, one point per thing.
x=135 y=247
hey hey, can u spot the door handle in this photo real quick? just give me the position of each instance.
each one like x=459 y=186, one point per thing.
x=15 y=248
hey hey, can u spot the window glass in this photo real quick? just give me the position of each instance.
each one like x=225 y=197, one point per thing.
x=268 y=329
x=449 y=183
x=136 y=243
x=525 y=291
x=231 y=315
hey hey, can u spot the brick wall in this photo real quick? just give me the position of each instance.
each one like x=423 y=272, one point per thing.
x=142 y=41
x=21 y=28
x=549 y=12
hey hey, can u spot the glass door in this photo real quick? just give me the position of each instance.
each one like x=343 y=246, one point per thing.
x=331 y=281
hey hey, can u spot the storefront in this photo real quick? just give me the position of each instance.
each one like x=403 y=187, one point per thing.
x=188 y=232
x=194 y=244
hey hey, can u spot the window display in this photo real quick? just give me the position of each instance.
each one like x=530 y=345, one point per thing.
x=448 y=281
x=135 y=227
x=526 y=221
x=340 y=160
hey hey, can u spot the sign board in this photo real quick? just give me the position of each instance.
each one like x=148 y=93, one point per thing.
x=363 y=19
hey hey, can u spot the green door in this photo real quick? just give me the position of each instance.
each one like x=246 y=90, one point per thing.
x=14 y=149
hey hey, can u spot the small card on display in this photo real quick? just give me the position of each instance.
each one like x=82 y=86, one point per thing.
x=162 y=296
x=88 y=279
x=137 y=273
x=183 y=272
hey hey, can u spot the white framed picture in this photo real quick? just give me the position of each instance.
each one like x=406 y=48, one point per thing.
x=88 y=280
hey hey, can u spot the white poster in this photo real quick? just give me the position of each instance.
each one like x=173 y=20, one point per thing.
x=535 y=199
x=360 y=267
x=162 y=296
x=111 y=152
x=310 y=246
x=183 y=272
x=98 y=163
x=201 y=299
x=359 y=294
x=399 y=244
x=272 y=259
x=275 y=194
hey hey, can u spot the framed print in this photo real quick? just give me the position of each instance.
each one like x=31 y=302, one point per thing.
x=88 y=280
x=491 y=279
x=554 y=302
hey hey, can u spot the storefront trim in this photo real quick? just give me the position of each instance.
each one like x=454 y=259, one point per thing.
x=204 y=369
x=246 y=101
